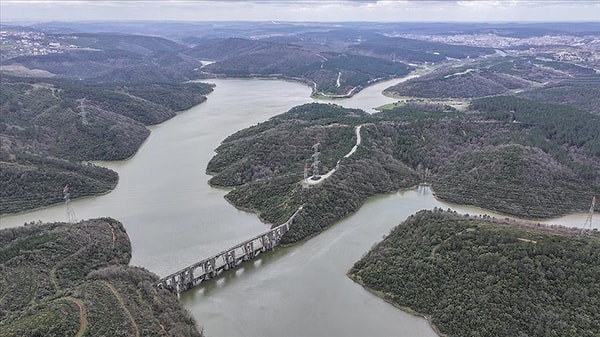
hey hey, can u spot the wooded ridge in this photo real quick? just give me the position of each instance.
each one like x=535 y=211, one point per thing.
x=484 y=277
x=530 y=167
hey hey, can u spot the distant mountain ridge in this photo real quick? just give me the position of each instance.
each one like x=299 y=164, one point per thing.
x=334 y=62
x=111 y=57
x=329 y=73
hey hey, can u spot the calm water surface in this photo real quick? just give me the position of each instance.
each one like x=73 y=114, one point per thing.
x=174 y=219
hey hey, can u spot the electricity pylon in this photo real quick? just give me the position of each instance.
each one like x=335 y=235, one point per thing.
x=588 y=220
x=315 y=164
x=71 y=217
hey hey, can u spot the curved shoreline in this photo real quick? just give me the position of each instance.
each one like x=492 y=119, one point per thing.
x=313 y=85
x=407 y=310
x=148 y=127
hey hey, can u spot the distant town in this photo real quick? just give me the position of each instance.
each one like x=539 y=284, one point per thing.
x=16 y=42
x=563 y=47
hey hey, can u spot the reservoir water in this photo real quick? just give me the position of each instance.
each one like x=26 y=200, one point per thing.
x=174 y=219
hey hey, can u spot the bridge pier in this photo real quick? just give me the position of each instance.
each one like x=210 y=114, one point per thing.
x=209 y=268
x=249 y=251
x=188 y=279
x=229 y=259
x=266 y=243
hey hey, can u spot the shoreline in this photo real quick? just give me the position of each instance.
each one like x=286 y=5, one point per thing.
x=495 y=216
x=314 y=94
x=54 y=205
x=100 y=162
x=407 y=310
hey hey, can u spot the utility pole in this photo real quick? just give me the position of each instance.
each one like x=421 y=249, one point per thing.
x=71 y=217
x=588 y=220
x=315 y=164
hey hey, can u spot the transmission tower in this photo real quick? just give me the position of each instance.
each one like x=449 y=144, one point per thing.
x=71 y=217
x=315 y=164
x=588 y=220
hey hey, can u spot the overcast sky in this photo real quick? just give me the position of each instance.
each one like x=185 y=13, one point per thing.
x=309 y=10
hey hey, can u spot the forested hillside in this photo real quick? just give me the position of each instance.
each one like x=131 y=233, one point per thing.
x=48 y=125
x=581 y=92
x=483 y=277
x=529 y=167
x=63 y=279
x=76 y=92
x=328 y=72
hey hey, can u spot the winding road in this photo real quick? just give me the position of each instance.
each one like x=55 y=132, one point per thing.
x=310 y=181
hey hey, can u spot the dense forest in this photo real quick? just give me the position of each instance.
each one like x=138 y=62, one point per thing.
x=61 y=279
x=49 y=125
x=581 y=92
x=29 y=181
x=506 y=154
x=484 y=277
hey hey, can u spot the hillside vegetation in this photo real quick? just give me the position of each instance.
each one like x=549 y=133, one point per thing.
x=63 y=279
x=482 y=277
x=321 y=70
x=528 y=167
x=581 y=92
x=334 y=61
x=48 y=126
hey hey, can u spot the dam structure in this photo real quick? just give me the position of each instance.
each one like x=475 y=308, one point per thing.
x=210 y=267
